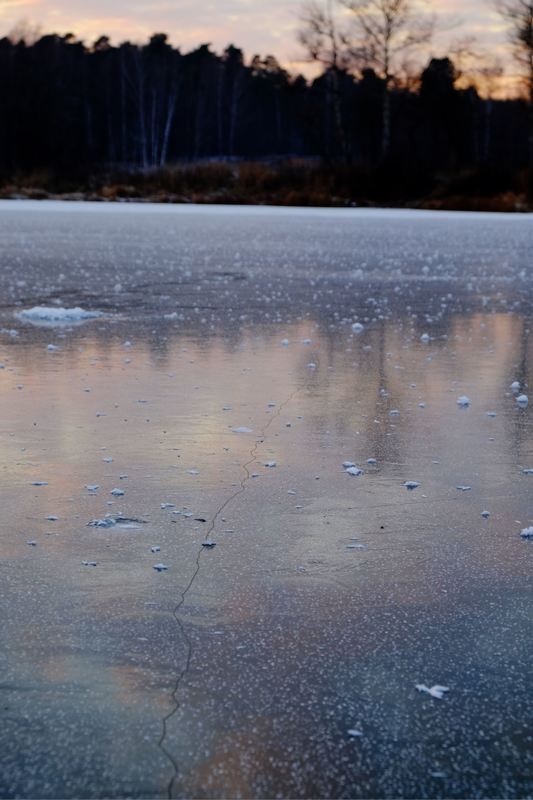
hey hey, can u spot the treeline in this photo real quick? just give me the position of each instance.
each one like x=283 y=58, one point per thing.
x=68 y=107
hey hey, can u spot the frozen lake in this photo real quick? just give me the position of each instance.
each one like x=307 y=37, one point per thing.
x=242 y=356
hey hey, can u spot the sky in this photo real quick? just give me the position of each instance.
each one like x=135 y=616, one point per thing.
x=257 y=26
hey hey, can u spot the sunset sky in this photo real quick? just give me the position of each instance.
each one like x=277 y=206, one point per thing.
x=255 y=25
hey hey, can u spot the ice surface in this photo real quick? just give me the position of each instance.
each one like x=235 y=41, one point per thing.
x=305 y=621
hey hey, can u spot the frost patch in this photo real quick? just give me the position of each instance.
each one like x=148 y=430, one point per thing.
x=50 y=315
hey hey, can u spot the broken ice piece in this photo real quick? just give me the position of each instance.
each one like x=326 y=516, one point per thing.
x=355 y=471
x=160 y=567
x=117 y=492
x=411 y=485
x=437 y=692
x=463 y=401
x=527 y=533
x=110 y=522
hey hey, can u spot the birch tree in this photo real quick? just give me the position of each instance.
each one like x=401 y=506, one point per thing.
x=386 y=33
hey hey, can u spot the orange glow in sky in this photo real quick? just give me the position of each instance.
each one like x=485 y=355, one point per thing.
x=253 y=25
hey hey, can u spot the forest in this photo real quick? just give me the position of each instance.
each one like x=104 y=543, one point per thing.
x=150 y=120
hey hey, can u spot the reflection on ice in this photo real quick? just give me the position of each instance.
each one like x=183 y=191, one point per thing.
x=222 y=401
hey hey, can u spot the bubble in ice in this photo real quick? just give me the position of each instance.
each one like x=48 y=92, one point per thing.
x=39 y=483
x=425 y=338
x=168 y=505
x=522 y=400
x=160 y=567
x=485 y=514
x=92 y=487
x=515 y=386
x=89 y=563
x=209 y=544
x=463 y=401
x=357 y=327
x=411 y=485
x=270 y=464
x=31 y=542
x=117 y=492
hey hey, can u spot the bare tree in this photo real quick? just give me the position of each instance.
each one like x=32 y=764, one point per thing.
x=519 y=16
x=328 y=45
x=386 y=33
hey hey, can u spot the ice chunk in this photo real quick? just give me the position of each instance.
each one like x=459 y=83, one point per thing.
x=411 y=485
x=160 y=567
x=437 y=692
x=527 y=533
x=110 y=522
x=117 y=492
x=463 y=401
x=354 y=470
x=50 y=315
x=92 y=487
